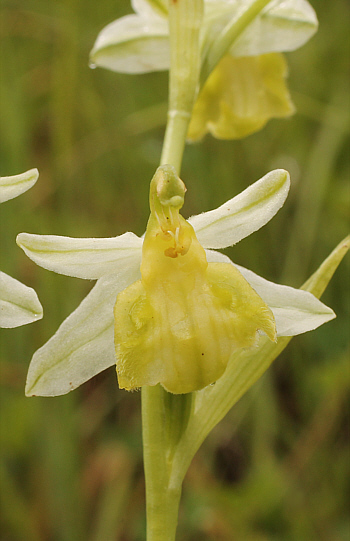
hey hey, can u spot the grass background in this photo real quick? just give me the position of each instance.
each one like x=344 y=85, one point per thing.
x=277 y=467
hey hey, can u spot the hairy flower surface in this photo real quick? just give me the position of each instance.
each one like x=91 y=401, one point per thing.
x=19 y=304
x=173 y=297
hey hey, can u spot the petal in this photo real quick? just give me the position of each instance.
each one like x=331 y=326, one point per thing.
x=19 y=304
x=244 y=214
x=240 y=96
x=296 y=311
x=15 y=185
x=133 y=44
x=83 y=345
x=182 y=332
x=83 y=258
x=282 y=26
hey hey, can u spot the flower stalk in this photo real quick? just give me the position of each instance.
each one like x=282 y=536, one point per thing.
x=185 y=19
x=163 y=419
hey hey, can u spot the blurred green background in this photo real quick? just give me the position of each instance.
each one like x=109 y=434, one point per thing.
x=277 y=467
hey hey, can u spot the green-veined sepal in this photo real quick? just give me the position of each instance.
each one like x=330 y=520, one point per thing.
x=15 y=185
x=19 y=304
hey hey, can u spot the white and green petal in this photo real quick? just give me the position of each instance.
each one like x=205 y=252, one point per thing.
x=282 y=26
x=15 y=185
x=88 y=258
x=295 y=311
x=244 y=214
x=19 y=304
x=133 y=44
x=83 y=345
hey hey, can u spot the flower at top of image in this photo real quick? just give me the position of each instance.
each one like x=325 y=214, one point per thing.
x=167 y=307
x=245 y=87
x=19 y=304
x=139 y=43
x=240 y=96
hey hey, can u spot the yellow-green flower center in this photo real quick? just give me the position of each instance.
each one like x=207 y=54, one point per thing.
x=181 y=322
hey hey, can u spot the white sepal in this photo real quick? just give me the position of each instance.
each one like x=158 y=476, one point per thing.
x=244 y=214
x=19 y=304
x=88 y=258
x=15 y=185
x=83 y=345
x=133 y=44
x=295 y=311
x=282 y=26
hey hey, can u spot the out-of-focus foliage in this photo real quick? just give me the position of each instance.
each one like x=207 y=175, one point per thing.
x=277 y=467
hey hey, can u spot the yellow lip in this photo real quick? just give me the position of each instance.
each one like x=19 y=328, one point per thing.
x=180 y=323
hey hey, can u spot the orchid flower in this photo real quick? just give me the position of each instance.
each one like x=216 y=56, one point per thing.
x=243 y=72
x=19 y=304
x=168 y=294
x=139 y=43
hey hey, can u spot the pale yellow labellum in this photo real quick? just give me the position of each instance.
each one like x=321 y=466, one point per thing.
x=181 y=322
x=240 y=96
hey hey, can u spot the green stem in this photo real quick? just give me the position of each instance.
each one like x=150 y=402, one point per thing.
x=162 y=499
x=165 y=416
x=184 y=85
x=175 y=138
x=185 y=19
